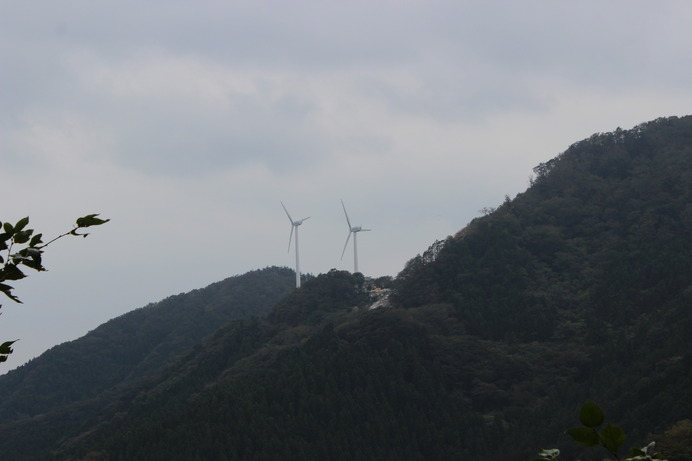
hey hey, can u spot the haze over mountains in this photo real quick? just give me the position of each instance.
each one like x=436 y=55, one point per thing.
x=578 y=289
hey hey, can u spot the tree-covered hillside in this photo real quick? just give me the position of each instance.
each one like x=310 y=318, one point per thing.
x=601 y=237
x=578 y=289
x=135 y=345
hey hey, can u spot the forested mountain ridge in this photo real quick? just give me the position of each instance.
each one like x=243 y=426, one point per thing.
x=578 y=289
x=603 y=234
x=136 y=344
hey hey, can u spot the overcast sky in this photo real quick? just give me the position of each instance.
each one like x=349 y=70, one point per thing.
x=187 y=123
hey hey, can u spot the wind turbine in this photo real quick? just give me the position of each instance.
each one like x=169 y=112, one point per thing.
x=294 y=226
x=352 y=230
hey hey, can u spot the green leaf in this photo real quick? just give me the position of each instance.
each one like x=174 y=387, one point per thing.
x=585 y=436
x=90 y=220
x=21 y=224
x=7 y=227
x=5 y=348
x=4 y=237
x=591 y=415
x=32 y=263
x=22 y=237
x=11 y=272
x=8 y=292
x=34 y=254
x=36 y=240
x=612 y=437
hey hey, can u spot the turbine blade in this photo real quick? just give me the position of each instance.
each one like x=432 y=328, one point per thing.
x=345 y=245
x=289 y=216
x=290 y=237
x=347 y=220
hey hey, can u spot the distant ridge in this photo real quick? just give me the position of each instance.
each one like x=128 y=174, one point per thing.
x=136 y=344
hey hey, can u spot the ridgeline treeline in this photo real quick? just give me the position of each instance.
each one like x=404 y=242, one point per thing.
x=579 y=288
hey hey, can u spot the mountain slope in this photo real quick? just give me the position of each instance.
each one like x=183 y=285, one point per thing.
x=602 y=235
x=136 y=344
x=578 y=289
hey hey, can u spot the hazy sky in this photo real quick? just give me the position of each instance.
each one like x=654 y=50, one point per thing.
x=187 y=123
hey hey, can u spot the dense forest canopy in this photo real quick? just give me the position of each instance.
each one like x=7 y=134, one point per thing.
x=136 y=344
x=577 y=289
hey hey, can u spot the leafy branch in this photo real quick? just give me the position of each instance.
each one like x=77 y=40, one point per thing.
x=592 y=433
x=21 y=248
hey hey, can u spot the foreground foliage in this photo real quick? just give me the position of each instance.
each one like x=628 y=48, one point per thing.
x=21 y=247
x=592 y=433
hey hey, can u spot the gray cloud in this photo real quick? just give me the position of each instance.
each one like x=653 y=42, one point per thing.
x=416 y=113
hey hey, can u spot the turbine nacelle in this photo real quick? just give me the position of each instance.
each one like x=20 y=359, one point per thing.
x=359 y=229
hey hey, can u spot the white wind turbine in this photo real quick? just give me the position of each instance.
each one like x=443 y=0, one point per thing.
x=294 y=226
x=352 y=230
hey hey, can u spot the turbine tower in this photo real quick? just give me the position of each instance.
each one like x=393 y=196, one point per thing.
x=352 y=230
x=294 y=226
